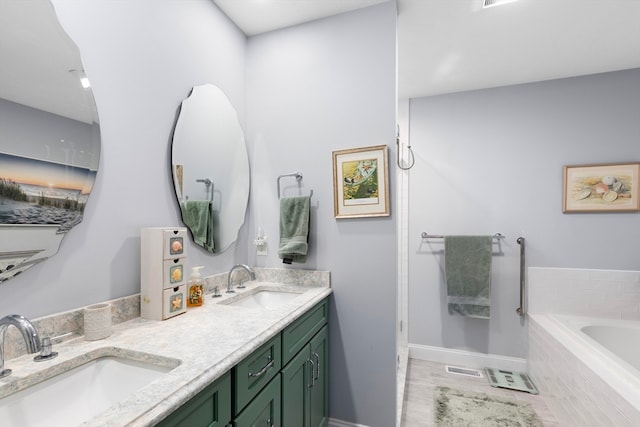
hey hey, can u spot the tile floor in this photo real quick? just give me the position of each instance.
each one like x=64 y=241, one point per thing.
x=423 y=376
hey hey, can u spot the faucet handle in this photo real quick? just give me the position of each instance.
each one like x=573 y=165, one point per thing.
x=46 y=352
x=216 y=292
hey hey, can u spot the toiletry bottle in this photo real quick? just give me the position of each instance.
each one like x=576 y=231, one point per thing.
x=195 y=288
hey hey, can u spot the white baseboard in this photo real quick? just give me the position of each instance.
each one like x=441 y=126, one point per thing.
x=466 y=359
x=339 y=423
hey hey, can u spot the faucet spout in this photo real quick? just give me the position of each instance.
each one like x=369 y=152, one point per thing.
x=252 y=276
x=29 y=334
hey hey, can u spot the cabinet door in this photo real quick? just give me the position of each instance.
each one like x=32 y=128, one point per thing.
x=319 y=391
x=209 y=408
x=296 y=380
x=264 y=410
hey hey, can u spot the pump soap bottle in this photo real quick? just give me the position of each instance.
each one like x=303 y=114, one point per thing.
x=195 y=288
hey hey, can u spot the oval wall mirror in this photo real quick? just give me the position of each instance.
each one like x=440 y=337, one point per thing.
x=49 y=135
x=210 y=168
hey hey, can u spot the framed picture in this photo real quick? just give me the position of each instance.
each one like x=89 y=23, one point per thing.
x=361 y=182
x=601 y=188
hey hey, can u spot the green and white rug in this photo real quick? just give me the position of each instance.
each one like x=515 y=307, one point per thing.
x=456 y=408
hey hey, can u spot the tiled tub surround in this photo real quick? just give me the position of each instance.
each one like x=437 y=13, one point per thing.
x=580 y=381
x=207 y=341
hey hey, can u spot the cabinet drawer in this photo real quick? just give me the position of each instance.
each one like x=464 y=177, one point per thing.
x=254 y=372
x=264 y=410
x=211 y=407
x=297 y=335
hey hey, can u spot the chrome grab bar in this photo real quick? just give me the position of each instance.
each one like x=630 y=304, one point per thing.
x=521 y=242
x=265 y=368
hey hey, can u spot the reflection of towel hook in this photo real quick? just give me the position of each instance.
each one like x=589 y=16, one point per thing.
x=298 y=176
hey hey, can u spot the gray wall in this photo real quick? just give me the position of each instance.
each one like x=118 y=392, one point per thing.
x=55 y=138
x=142 y=58
x=492 y=161
x=325 y=86
x=306 y=91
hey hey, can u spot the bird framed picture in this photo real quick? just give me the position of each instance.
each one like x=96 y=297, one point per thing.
x=361 y=182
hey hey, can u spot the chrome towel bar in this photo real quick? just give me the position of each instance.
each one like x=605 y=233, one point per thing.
x=298 y=176
x=426 y=235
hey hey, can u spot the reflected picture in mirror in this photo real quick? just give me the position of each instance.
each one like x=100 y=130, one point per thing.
x=49 y=137
x=210 y=168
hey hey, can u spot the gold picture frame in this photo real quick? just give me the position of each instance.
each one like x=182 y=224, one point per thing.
x=607 y=187
x=361 y=182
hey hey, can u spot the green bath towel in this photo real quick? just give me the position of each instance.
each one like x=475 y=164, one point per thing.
x=294 y=229
x=467 y=265
x=196 y=214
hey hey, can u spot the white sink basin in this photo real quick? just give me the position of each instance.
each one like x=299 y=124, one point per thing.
x=264 y=299
x=79 y=394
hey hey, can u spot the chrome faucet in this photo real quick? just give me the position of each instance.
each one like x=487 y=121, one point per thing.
x=28 y=332
x=246 y=268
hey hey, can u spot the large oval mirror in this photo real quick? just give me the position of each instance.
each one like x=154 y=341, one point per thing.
x=210 y=168
x=49 y=135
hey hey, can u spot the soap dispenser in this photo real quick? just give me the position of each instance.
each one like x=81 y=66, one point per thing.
x=195 y=288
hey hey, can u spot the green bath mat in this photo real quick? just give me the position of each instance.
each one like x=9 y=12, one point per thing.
x=456 y=408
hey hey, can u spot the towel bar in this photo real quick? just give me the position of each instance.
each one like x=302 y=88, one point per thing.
x=208 y=183
x=426 y=235
x=298 y=176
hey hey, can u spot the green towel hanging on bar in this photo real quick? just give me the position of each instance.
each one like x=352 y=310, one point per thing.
x=294 y=229
x=467 y=265
x=196 y=214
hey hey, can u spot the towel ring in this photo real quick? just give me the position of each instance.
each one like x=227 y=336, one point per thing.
x=297 y=175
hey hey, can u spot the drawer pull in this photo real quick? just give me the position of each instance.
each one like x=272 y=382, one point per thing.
x=265 y=368
x=312 y=371
x=317 y=365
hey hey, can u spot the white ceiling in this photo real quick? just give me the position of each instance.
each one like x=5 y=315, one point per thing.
x=39 y=65
x=443 y=45
x=455 y=45
x=259 y=16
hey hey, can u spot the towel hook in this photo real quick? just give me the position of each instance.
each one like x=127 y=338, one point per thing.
x=297 y=175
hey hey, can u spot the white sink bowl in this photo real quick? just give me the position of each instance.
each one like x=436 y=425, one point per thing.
x=270 y=300
x=78 y=394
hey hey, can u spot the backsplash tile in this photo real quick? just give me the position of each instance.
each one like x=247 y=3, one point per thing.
x=582 y=292
x=127 y=308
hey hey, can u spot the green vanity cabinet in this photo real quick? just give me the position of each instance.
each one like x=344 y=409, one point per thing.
x=209 y=408
x=264 y=409
x=284 y=383
x=305 y=392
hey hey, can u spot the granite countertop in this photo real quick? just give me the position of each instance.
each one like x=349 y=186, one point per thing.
x=205 y=342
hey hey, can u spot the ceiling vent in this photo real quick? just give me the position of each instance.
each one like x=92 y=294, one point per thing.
x=491 y=3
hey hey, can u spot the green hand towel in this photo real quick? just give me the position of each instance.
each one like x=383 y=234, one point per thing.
x=294 y=229
x=196 y=214
x=467 y=265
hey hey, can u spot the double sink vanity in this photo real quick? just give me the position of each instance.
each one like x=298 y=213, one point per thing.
x=257 y=356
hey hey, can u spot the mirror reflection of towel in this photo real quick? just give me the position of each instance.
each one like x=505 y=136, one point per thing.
x=467 y=266
x=196 y=214
x=294 y=229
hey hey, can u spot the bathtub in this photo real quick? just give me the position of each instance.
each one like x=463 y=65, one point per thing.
x=588 y=367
